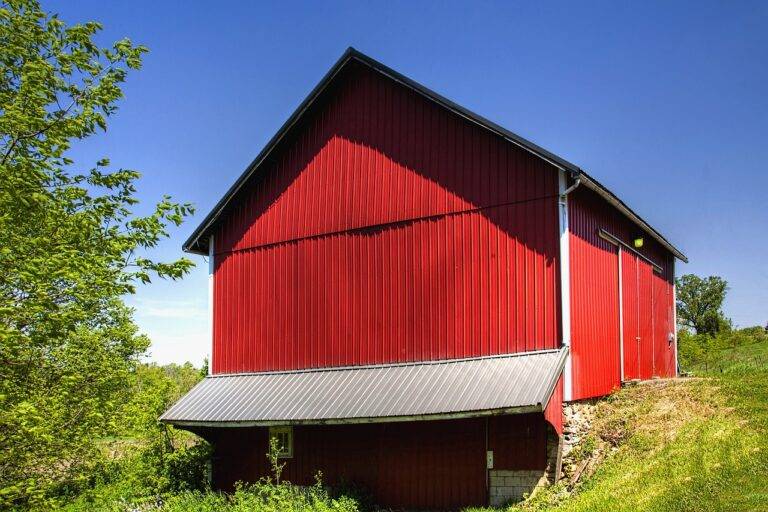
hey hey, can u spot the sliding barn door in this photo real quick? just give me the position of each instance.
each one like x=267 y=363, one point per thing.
x=664 y=364
x=644 y=323
x=638 y=319
x=647 y=334
x=630 y=313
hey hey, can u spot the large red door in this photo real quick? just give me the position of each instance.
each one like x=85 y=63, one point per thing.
x=645 y=309
x=630 y=316
x=663 y=348
x=639 y=332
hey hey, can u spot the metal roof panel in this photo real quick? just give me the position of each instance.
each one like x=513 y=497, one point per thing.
x=409 y=391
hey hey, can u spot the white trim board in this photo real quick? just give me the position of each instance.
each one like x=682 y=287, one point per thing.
x=565 y=285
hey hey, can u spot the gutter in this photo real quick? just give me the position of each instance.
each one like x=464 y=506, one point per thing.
x=484 y=413
x=571 y=188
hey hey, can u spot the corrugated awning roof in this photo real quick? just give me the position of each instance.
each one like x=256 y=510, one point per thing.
x=400 y=392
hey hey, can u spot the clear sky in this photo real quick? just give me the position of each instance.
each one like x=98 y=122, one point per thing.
x=665 y=103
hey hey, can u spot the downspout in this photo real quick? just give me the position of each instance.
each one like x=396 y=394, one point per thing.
x=570 y=189
x=565 y=280
x=211 y=296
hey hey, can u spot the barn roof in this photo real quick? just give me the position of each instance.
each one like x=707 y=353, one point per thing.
x=512 y=383
x=198 y=240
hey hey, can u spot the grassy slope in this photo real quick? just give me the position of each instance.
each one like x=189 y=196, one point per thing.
x=698 y=444
x=753 y=354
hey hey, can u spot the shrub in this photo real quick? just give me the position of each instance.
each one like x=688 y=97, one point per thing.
x=263 y=496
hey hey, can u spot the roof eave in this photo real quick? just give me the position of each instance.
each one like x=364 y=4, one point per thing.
x=197 y=242
x=523 y=409
x=617 y=203
x=193 y=243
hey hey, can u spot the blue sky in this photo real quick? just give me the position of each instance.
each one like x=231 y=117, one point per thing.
x=665 y=103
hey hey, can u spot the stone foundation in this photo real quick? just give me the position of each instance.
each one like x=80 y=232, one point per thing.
x=578 y=423
x=508 y=485
x=554 y=470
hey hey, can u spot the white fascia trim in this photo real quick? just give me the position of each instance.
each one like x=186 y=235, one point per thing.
x=565 y=285
x=674 y=317
x=211 y=266
x=621 y=314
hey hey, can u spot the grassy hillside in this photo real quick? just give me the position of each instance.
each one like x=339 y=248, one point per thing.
x=685 y=445
x=749 y=354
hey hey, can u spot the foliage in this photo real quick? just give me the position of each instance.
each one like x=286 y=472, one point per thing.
x=273 y=455
x=704 y=352
x=700 y=302
x=162 y=459
x=141 y=481
x=70 y=248
x=153 y=389
x=263 y=496
x=148 y=460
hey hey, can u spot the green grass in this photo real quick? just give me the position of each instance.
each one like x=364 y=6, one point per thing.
x=689 y=445
x=752 y=354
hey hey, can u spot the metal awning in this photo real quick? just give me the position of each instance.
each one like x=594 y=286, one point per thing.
x=513 y=383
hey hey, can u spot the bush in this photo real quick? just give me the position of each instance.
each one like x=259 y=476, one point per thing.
x=706 y=352
x=263 y=496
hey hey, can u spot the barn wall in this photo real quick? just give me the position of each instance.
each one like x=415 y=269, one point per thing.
x=553 y=413
x=387 y=230
x=416 y=465
x=665 y=364
x=374 y=152
x=595 y=326
x=633 y=310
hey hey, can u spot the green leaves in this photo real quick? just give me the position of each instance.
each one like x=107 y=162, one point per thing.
x=70 y=249
x=700 y=302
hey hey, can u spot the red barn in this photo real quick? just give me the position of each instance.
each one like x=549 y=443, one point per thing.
x=404 y=293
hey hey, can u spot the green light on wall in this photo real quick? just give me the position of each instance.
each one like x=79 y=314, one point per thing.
x=638 y=243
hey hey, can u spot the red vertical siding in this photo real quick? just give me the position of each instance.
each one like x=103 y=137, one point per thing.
x=449 y=287
x=646 y=318
x=663 y=328
x=595 y=336
x=412 y=465
x=374 y=152
x=594 y=302
x=518 y=441
x=418 y=465
x=553 y=413
x=387 y=230
x=631 y=316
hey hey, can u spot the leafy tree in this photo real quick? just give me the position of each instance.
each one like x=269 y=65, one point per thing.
x=163 y=459
x=70 y=248
x=700 y=302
